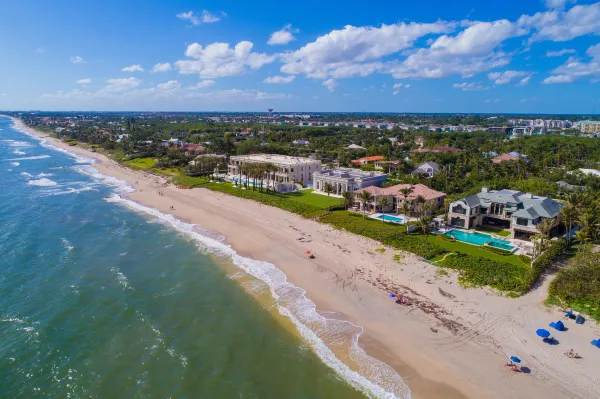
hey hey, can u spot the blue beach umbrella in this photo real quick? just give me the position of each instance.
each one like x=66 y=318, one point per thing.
x=515 y=359
x=543 y=333
x=392 y=295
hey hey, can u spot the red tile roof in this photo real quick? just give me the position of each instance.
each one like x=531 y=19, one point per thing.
x=504 y=157
x=417 y=189
x=368 y=159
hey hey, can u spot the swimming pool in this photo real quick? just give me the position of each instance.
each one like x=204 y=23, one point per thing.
x=479 y=239
x=390 y=218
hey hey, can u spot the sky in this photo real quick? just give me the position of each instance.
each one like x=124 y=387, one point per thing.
x=525 y=56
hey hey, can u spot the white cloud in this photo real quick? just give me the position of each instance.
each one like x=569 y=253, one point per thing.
x=492 y=100
x=122 y=84
x=77 y=60
x=166 y=67
x=558 y=3
x=204 y=18
x=501 y=78
x=574 y=69
x=561 y=26
x=219 y=60
x=560 y=53
x=283 y=36
x=133 y=68
x=344 y=53
x=471 y=51
x=39 y=50
x=280 y=79
x=83 y=81
x=202 y=84
x=330 y=84
x=399 y=86
x=524 y=81
x=471 y=86
x=170 y=85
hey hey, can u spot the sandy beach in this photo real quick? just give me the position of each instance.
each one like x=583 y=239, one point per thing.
x=453 y=344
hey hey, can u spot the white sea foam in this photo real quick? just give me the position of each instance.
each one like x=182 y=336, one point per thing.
x=70 y=190
x=15 y=164
x=78 y=158
x=120 y=185
x=382 y=381
x=18 y=152
x=67 y=244
x=16 y=143
x=30 y=158
x=42 y=182
x=122 y=279
x=40 y=175
x=26 y=174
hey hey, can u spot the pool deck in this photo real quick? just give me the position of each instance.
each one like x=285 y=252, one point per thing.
x=377 y=215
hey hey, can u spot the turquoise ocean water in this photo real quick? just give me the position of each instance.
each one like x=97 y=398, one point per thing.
x=103 y=298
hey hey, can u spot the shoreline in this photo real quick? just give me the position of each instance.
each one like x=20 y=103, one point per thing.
x=463 y=358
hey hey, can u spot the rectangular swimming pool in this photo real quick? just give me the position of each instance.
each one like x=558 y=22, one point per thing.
x=479 y=239
x=390 y=218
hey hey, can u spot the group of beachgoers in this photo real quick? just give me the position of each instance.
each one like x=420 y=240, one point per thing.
x=401 y=299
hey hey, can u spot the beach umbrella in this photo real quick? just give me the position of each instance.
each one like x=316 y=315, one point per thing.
x=515 y=359
x=392 y=295
x=543 y=333
x=596 y=343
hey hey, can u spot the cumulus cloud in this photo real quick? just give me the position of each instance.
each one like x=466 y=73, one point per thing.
x=505 y=77
x=471 y=86
x=204 y=18
x=202 y=84
x=77 y=60
x=574 y=69
x=170 y=85
x=330 y=84
x=133 y=68
x=122 y=84
x=347 y=52
x=83 y=81
x=471 y=51
x=219 y=60
x=166 y=67
x=280 y=79
x=561 y=26
x=283 y=36
x=524 y=81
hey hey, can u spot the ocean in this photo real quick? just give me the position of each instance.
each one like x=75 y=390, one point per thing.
x=101 y=297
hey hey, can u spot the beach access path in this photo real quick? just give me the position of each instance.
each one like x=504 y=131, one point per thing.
x=452 y=344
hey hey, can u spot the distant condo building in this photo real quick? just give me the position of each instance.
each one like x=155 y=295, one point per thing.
x=589 y=126
x=289 y=169
x=345 y=179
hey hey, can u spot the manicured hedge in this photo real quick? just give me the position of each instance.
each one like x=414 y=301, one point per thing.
x=497 y=251
x=543 y=262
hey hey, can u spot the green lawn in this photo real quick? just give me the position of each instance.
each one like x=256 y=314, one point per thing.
x=492 y=230
x=310 y=198
x=476 y=251
x=141 y=163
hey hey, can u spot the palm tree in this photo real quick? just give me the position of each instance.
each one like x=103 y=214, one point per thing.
x=328 y=189
x=424 y=225
x=545 y=228
x=567 y=214
x=365 y=197
x=382 y=203
x=421 y=203
x=581 y=236
x=347 y=198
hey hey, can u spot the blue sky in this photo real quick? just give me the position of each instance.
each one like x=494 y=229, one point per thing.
x=536 y=56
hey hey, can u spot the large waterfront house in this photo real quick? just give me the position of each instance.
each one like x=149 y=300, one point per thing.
x=427 y=169
x=289 y=169
x=520 y=212
x=345 y=179
x=395 y=198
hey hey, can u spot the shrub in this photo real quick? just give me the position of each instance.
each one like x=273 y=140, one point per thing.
x=578 y=286
x=475 y=272
x=498 y=251
x=446 y=238
x=543 y=262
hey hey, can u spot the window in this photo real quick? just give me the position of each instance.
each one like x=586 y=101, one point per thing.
x=522 y=221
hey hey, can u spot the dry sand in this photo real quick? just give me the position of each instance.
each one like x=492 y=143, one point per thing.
x=453 y=344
